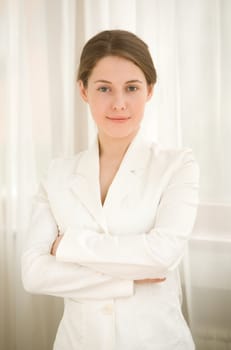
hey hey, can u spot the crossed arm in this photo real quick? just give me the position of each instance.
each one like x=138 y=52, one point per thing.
x=140 y=281
x=84 y=264
x=147 y=255
x=42 y=273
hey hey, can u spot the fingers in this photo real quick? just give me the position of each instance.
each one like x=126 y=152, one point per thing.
x=150 y=280
x=56 y=244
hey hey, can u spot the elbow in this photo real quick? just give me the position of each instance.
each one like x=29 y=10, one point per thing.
x=173 y=262
x=28 y=278
x=30 y=275
x=169 y=257
x=28 y=284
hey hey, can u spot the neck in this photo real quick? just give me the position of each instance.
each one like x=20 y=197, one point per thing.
x=114 y=147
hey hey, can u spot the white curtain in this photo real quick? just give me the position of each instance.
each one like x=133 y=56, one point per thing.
x=41 y=116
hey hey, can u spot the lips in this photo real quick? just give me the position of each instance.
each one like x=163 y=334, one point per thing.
x=118 y=118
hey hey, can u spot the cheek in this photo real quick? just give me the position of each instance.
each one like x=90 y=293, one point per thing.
x=139 y=106
x=100 y=106
x=97 y=110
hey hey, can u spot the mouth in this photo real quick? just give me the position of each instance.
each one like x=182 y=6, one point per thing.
x=118 y=118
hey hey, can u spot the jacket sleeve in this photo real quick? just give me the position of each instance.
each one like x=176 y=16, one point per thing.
x=149 y=254
x=43 y=274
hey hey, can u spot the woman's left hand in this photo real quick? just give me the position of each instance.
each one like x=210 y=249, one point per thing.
x=150 y=280
x=56 y=244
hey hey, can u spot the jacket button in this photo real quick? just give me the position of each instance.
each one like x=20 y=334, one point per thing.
x=107 y=309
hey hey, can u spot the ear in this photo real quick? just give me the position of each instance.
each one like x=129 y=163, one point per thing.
x=83 y=91
x=150 y=91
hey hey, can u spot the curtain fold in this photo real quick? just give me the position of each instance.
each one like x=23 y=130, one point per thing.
x=42 y=116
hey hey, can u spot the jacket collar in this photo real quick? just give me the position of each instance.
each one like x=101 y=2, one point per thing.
x=86 y=178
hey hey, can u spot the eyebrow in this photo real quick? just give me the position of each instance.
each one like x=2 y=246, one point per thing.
x=127 y=82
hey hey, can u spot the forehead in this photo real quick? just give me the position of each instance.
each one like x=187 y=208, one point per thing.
x=115 y=67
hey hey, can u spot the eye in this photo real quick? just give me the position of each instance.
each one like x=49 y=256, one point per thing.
x=132 y=88
x=103 y=89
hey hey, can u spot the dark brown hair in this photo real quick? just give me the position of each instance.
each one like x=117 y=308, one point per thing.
x=116 y=43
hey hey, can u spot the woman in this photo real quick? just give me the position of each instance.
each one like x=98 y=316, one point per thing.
x=111 y=224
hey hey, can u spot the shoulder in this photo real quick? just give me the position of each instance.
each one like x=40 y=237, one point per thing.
x=171 y=154
x=62 y=167
x=173 y=159
x=65 y=165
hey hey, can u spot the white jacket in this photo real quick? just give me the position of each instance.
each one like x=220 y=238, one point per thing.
x=140 y=232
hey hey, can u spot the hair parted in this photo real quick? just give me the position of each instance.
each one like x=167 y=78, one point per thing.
x=120 y=43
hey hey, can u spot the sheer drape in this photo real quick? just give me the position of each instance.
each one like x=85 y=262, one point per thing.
x=43 y=117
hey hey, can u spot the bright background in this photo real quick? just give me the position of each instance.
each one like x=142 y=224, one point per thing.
x=41 y=116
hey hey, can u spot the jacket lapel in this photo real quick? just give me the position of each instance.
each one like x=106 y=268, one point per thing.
x=132 y=167
x=85 y=184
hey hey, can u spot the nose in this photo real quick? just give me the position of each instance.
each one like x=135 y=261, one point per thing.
x=119 y=103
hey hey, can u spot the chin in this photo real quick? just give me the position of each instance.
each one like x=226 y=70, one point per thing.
x=123 y=134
